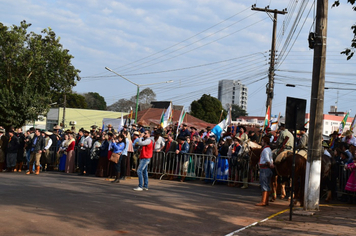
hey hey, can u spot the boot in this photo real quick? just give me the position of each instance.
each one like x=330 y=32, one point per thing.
x=328 y=197
x=245 y=184
x=37 y=170
x=20 y=167
x=16 y=167
x=30 y=170
x=264 y=199
x=117 y=178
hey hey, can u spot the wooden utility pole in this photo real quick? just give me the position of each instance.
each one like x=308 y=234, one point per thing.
x=270 y=85
x=315 y=151
x=64 y=109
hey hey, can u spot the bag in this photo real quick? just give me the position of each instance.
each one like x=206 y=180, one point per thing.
x=115 y=157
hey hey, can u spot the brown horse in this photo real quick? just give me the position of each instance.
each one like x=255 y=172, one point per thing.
x=284 y=169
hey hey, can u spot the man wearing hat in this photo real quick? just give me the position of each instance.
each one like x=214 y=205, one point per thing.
x=46 y=157
x=20 y=153
x=110 y=129
x=242 y=134
x=37 y=144
x=184 y=131
x=3 y=146
x=349 y=138
x=269 y=133
x=12 y=149
x=124 y=129
x=84 y=157
x=93 y=129
x=132 y=130
x=282 y=135
x=303 y=141
x=334 y=138
x=193 y=131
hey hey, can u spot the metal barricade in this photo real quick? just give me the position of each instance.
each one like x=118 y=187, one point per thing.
x=235 y=170
x=157 y=164
x=197 y=166
x=343 y=177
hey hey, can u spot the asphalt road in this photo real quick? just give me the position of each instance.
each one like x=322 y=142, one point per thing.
x=54 y=203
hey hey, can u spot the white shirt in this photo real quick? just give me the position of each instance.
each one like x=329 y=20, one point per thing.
x=327 y=153
x=266 y=156
x=49 y=144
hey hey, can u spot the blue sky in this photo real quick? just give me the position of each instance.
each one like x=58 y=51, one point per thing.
x=195 y=44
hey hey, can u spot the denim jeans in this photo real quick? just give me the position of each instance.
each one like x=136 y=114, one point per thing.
x=265 y=179
x=142 y=172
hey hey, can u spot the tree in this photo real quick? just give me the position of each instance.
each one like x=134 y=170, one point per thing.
x=122 y=105
x=145 y=97
x=73 y=100
x=32 y=66
x=207 y=108
x=237 y=111
x=95 y=101
x=349 y=52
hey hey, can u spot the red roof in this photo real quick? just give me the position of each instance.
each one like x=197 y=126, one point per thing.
x=152 y=116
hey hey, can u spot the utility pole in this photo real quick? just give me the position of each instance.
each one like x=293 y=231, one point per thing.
x=64 y=109
x=312 y=175
x=270 y=85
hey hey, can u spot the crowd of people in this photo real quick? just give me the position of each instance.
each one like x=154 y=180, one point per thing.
x=88 y=152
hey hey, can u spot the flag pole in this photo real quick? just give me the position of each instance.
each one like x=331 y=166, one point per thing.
x=222 y=111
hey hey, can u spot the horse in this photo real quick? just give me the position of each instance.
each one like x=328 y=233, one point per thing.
x=284 y=169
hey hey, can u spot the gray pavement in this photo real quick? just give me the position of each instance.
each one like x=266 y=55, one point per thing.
x=66 y=204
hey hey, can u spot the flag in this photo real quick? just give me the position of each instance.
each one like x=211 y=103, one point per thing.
x=274 y=123
x=130 y=117
x=167 y=116
x=121 y=125
x=103 y=127
x=180 y=121
x=353 y=124
x=162 y=118
x=267 y=118
x=222 y=126
x=343 y=123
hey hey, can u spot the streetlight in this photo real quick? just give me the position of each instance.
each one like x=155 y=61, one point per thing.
x=138 y=87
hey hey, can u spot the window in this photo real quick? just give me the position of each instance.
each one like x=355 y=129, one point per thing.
x=326 y=123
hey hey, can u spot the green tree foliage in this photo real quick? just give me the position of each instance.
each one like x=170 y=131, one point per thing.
x=73 y=100
x=207 y=108
x=237 y=111
x=32 y=66
x=145 y=98
x=95 y=101
x=349 y=52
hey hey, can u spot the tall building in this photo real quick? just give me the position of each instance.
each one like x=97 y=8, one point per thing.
x=232 y=92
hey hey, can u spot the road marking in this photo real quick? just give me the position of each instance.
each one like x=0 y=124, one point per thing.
x=274 y=215
x=255 y=223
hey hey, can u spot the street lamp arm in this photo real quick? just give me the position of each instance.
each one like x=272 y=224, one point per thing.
x=121 y=76
x=165 y=82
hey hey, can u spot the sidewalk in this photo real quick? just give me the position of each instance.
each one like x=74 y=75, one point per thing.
x=338 y=219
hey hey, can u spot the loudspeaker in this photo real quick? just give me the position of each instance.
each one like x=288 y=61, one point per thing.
x=295 y=113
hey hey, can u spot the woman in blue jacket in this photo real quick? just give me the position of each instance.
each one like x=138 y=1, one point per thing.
x=118 y=145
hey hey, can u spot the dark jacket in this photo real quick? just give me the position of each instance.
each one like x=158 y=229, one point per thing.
x=3 y=143
x=172 y=147
x=40 y=143
x=104 y=149
x=22 y=139
x=13 y=145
